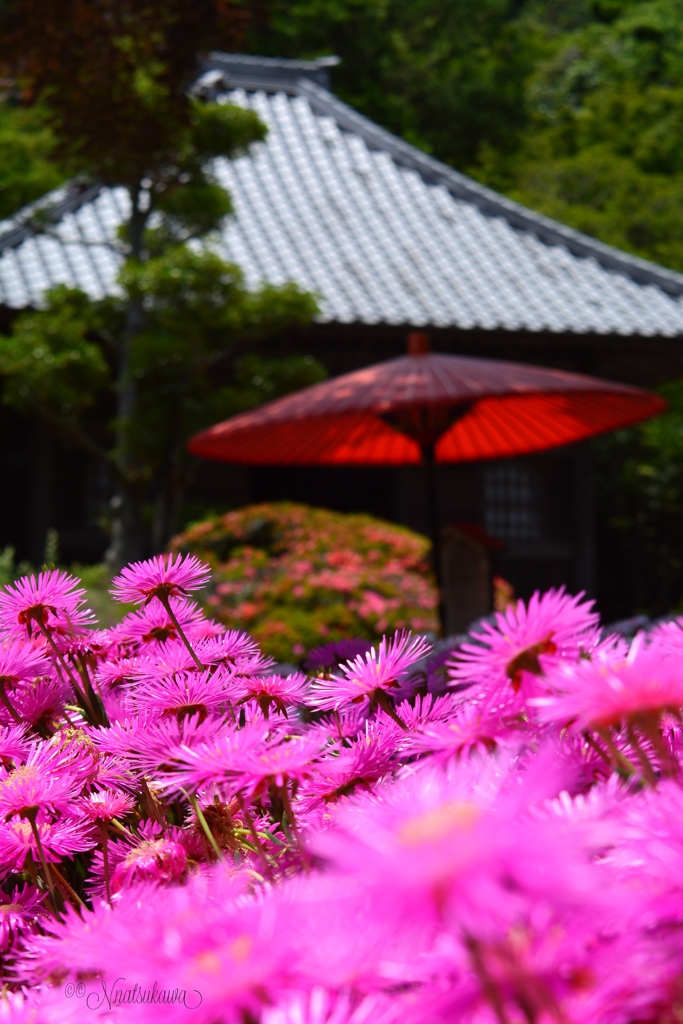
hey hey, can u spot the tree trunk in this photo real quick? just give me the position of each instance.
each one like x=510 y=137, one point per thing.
x=166 y=508
x=171 y=486
x=130 y=540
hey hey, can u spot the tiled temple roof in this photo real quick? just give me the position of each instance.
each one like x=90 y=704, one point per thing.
x=381 y=232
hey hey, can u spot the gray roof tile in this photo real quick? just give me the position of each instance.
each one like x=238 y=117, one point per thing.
x=381 y=232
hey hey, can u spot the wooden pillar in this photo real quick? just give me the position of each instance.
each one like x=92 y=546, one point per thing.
x=584 y=519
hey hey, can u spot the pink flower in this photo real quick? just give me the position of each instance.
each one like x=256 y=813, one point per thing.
x=372 y=604
x=71 y=752
x=47 y=603
x=58 y=839
x=526 y=642
x=14 y=745
x=118 y=671
x=163 y=576
x=35 y=786
x=149 y=857
x=27 y=789
x=370 y=758
x=20 y=912
x=218 y=761
x=345 y=724
x=40 y=703
x=472 y=728
x=321 y=1006
x=371 y=677
x=285 y=762
x=89 y=644
x=173 y=658
x=456 y=850
x=152 y=625
x=281 y=691
x=668 y=637
x=233 y=648
x=228 y=952
x=185 y=694
x=20 y=660
x=104 y=805
x=113 y=773
x=610 y=691
x=148 y=744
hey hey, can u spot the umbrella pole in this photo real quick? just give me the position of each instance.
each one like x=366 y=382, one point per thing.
x=429 y=462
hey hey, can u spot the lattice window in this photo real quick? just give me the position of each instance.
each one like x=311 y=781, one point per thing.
x=511 y=506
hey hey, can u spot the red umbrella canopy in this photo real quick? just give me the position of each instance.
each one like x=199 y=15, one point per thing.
x=459 y=408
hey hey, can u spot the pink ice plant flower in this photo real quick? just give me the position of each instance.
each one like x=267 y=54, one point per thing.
x=163 y=576
x=185 y=694
x=20 y=660
x=281 y=763
x=231 y=648
x=370 y=677
x=150 y=855
x=171 y=659
x=20 y=912
x=668 y=637
x=377 y=857
x=30 y=788
x=121 y=670
x=113 y=773
x=148 y=743
x=455 y=848
x=50 y=602
x=152 y=624
x=357 y=767
x=14 y=745
x=72 y=752
x=227 y=951
x=281 y=692
x=220 y=761
x=526 y=642
x=87 y=644
x=58 y=839
x=471 y=728
x=40 y=702
x=37 y=785
x=606 y=692
x=104 y=805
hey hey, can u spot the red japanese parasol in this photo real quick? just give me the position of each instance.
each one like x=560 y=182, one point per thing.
x=463 y=408
x=427 y=407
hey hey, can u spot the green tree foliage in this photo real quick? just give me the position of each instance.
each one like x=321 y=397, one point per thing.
x=26 y=170
x=114 y=75
x=191 y=362
x=444 y=74
x=640 y=493
x=113 y=80
x=603 y=146
x=573 y=107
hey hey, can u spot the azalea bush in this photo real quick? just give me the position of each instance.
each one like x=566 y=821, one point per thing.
x=186 y=835
x=296 y=576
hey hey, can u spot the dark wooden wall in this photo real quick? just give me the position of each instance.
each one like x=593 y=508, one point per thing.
x=633 y=360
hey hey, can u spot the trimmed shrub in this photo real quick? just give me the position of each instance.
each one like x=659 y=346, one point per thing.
x=296 y=576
